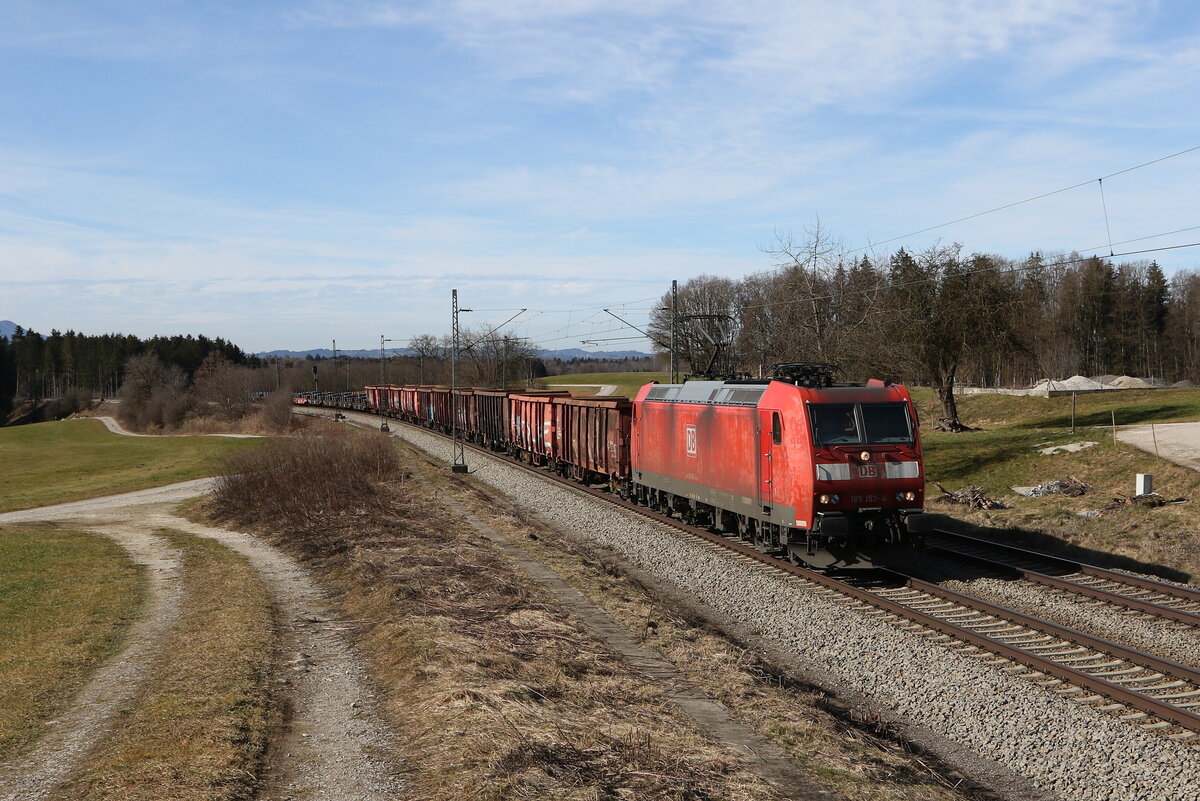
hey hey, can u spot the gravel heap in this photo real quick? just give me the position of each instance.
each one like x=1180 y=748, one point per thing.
x=1063 y=747
x=1075 y=382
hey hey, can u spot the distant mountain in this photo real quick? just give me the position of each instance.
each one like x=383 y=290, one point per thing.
x=7 y=328
x=326 y=353
x=576 y=353
x=565 y=355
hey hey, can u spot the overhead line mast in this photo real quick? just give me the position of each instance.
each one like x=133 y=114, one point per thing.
x=459 y=462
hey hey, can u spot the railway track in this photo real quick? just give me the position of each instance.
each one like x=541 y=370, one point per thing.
x=1157 y=598
x=1141 y=688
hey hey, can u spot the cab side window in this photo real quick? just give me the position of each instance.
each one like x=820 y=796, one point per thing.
x=776 y=428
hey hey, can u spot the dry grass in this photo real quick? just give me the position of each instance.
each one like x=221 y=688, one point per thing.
x=851 y=750
x=198 y=730
x=66 y=600
x=502 y=694
x=298 y=484
x=496 y=691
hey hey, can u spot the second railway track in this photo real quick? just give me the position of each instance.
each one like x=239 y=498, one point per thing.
x=1146 y=595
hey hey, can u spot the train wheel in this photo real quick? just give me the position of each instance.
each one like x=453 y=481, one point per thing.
x=745 y=527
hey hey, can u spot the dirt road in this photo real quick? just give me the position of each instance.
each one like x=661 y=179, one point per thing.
x=1176 y=442
x=113 y=425
x=332 y=745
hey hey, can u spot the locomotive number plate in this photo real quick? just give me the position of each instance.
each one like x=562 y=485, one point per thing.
x=868 y=471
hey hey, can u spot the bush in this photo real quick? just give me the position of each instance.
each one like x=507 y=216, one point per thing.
x=296 y=484
x=277 y=410
x=73 y=400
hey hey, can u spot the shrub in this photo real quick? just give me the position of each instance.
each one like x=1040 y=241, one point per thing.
x=298 y=483
x=277 y=410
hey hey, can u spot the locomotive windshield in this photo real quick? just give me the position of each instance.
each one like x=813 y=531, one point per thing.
x=857 y=424
x=886 y=423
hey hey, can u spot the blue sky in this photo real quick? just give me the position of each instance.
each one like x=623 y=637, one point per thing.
x=286 y=174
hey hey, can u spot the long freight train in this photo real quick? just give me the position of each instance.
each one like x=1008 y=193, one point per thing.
x=828 y=474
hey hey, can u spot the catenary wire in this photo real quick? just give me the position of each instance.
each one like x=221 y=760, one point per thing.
x=1027 y=200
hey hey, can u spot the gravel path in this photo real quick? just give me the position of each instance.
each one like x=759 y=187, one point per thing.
x=69 y=739
x=1175 y=442
x=332 y=748
x=1066 y=749
x=113 y=425
x=601 y=389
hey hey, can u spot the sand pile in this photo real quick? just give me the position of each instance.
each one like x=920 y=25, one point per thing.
x=1129 y=382
x=1184 y=383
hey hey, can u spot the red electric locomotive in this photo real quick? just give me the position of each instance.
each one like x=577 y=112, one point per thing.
x=827 y=473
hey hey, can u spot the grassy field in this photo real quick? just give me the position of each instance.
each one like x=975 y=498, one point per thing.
x=627 y=383
x=199 y=730
x=1005 y=452
x=47 y=463
x=66 y=599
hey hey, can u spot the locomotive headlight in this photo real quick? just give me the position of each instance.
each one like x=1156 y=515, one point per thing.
x=828 y=499
x=906 y=496
x=865 y=456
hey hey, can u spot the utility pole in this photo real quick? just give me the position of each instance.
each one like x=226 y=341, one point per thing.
x=383 y=359
x=459 y=464
x=674 y=316
x=345 y=367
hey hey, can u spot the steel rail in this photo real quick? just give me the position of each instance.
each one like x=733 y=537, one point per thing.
x=1181 y=717
x=1181 y=594
x=1128 y=697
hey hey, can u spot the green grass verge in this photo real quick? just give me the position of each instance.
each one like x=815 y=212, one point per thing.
x=627 y=383
x=66 y=600
x=200 y=727
x=1006 y=452
x=48 y=463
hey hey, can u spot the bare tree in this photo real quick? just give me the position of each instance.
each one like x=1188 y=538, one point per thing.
x=706 y=317
x=494 y=359
x=223 y=387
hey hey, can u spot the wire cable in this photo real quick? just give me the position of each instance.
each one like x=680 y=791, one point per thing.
x=1027 y=200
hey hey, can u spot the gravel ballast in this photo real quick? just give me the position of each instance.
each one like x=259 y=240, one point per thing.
x=1065 y=748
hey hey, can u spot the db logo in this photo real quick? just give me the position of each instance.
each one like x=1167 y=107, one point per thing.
x=867 y=471
x=691 y=440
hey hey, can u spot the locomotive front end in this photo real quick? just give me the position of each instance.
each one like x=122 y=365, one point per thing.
x=868 y=479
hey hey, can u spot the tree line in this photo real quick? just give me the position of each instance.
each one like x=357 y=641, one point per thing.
x=33 y=365
x=940 y=317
